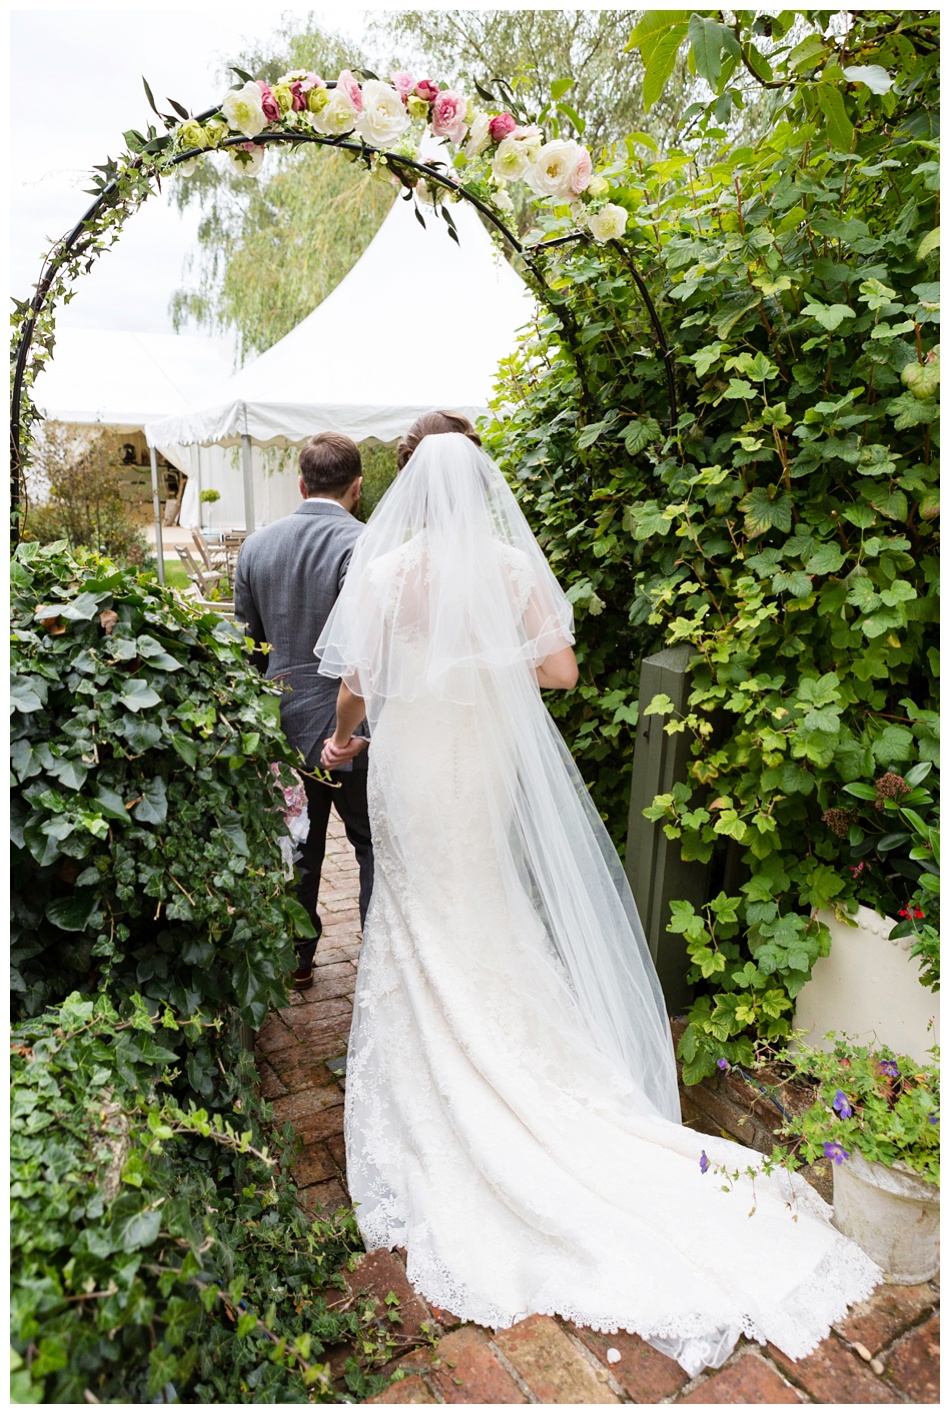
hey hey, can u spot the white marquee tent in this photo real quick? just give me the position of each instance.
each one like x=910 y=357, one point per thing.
x=419 y=323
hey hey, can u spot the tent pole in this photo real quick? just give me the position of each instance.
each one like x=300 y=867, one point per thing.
x=157 y=507
x=248 y=483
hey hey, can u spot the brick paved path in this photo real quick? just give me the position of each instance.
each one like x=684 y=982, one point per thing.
x=886 y=1352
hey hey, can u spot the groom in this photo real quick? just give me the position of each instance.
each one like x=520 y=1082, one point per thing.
x=288 y=577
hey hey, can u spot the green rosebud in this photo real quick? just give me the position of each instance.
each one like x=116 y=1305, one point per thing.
x=597 y=186
x=283 y=97
x=191 y=133
x=317 y=100
x=216 y=130
x=417 y=107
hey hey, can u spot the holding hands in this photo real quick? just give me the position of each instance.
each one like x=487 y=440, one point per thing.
x=336 y=754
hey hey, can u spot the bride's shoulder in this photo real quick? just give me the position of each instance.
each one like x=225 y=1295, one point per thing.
x=396 y=562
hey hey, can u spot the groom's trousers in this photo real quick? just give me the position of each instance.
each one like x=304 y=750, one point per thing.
x=348 y=794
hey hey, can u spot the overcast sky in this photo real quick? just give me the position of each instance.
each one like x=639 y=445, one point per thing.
x=91 y=63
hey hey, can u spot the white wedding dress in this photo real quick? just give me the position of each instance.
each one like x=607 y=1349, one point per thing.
x=511 y=1108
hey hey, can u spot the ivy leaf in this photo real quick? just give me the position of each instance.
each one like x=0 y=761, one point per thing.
x=138 y=695
x=72 y=914
x=152 y=809
x=138 y=1231
x=298 y=917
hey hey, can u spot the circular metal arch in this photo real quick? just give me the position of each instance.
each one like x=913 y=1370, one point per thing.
x=527 y=255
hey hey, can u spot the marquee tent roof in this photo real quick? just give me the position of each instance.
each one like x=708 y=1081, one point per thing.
x=125 y=380
x=418 y=323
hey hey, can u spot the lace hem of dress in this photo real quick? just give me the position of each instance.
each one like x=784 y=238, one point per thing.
x=694 y=1339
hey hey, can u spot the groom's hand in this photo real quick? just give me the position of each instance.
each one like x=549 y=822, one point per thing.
x=333 y=755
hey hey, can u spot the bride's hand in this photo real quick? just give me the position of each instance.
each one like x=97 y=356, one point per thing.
x=338 y=754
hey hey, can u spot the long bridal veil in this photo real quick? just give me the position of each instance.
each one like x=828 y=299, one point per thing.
x=449 y=600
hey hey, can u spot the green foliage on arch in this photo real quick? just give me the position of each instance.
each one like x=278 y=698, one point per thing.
x=786 y=531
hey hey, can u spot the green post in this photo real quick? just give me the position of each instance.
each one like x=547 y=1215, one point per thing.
x=656 y=872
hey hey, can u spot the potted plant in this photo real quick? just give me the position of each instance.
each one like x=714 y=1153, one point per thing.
x=208 y=499
x=870 y=982
x=876 y=1117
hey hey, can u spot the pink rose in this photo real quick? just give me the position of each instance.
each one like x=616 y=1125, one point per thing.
x=500 y=127
x=448 y=115
x=310 y=81
x=583 y=171
x=426 y=89
x=403 y=83
x=297 y=95
x=268 y=102
x=351 y=88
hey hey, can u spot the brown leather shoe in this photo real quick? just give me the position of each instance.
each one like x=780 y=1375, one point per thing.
x=302 y=979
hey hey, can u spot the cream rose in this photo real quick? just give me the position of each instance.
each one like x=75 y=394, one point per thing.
x=191 y=133
x=511 y=160
x=553 y=172
x=609 y=223
x=479 y=135
x=244 y=110
x=383 y=118
x=338 y=115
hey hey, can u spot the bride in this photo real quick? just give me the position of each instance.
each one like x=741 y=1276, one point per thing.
x=512 y=1114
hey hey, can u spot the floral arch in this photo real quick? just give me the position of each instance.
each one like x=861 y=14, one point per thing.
x=380 y=123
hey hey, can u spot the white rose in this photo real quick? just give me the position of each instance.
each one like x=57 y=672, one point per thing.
x=337 y=117
x=553 y=172
x=383 y=118
x=249 y=157
x=244 y=110
x=531 y=139
x=478 y=135
x=503 y=201
x=511 y=160
x=609 y=223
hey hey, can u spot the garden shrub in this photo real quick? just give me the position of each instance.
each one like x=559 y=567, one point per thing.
x=785 y=530
x=84 y=506
x=146 y=820
x=157 y=1251
x=155 y=1242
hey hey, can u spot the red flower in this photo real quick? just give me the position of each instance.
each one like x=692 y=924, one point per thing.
x=918 y=913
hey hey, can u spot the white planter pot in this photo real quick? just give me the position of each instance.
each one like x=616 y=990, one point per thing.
x=869 y=987
x=893 y=1214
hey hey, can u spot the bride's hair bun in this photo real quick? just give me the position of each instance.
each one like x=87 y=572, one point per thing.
x=429 y=425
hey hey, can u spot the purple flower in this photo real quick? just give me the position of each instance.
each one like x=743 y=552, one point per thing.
x=836 y=1151
x=840 y=1103
x=703 y=1162
x=723 y=1064
x=932 y=1119
x=888 y=1067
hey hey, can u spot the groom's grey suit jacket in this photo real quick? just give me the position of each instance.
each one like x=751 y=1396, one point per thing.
x=288 y=577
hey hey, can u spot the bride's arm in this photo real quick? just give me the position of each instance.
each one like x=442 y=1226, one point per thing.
x=558 y=669
x=341 y=747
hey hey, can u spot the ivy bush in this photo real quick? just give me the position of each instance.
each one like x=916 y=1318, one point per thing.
x=785 y=529
x=158 y=1254
x=146 y=820
x=158 y=1248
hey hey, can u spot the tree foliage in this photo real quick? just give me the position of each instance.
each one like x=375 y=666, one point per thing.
x=271 y=248
x=83 y=501
x=785 y=530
